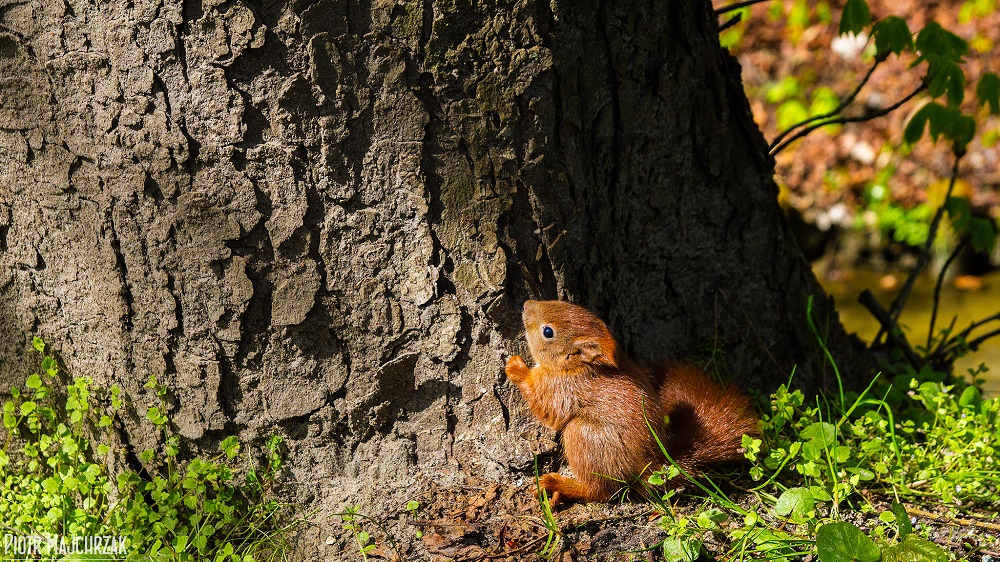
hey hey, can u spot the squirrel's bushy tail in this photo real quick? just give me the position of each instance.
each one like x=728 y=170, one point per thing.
x=706 y=421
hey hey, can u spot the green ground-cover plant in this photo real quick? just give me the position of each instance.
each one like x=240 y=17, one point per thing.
x=58 y=445
x=354 y=521
x=912 y=439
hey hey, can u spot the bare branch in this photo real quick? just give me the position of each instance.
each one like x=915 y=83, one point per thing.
x=840 y=107
x=732 y=21
x=736 y=6
x=925 y=254
x=841 y=120
x=974 y=344
x=937 y=290
x=890 y=327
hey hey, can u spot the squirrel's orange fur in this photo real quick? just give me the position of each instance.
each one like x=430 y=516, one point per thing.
x=584 y=386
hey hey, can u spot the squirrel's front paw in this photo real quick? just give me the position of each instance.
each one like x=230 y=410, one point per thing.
x=516 y=368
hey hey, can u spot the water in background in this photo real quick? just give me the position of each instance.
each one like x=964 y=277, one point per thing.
x=968 y=305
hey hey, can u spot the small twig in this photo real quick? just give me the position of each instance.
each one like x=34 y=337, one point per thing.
x=567 y=528
x=982 y=516
x=937 y=290
x=965 y=333
x=925 y=255
x=506 y=554
x=840 y=107
x=736 y=6
x=429 y=523
x=842 y=120
x=732 y=21
x=897 y=305
x=937 y=350
x=890 y=327
x=970 y=547
x=574 y=526
x=530 y=279
x=952 y=520
x=974 y=344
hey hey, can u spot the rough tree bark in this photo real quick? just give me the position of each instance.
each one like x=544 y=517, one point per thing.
x=318 y=217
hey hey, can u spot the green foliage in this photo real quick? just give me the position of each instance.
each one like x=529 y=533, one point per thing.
x=976 y=9
x=796 y=504
x=843 y=542
x=940 y=444
x=913 y=549
x=732 y=37
x=892 y=35
x=935 y=42
x=856 y=17
x=681 y=546
x=978 y=231
x=412 y=506
x=908 y=226
x=948 y=122
x=988 y=92
x=351 y=519
x=909 y=436
x=824 y=101
x=787 y=87
x=790 y=113
x=548 y=518
x=912 y=437
x=940 y=54
x=51 y=476
x=943 y=51
x=54 y=464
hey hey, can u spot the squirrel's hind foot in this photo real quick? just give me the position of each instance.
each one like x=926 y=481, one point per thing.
x=564 y=489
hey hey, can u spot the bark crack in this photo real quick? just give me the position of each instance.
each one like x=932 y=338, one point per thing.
x=617 y=130
x=173 y=334
x=121 y=266
x=426 y=28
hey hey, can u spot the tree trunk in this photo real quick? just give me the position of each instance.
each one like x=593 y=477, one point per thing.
x=319 y=218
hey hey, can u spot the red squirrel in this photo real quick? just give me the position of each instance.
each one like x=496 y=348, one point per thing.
x=584 y=386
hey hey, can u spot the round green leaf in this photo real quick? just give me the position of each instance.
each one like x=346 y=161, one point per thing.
x=51 y=485
x=678 y=550
x=796 y=503
x=231 y=446
x=822 y=432
x=843 y=542
x=914 y=549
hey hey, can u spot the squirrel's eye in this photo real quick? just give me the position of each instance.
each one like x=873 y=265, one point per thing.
x=548 y=333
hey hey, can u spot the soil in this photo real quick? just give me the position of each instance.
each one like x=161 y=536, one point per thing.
x=505 y=522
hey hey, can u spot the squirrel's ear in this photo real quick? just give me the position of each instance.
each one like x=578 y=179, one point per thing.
x=591 y=350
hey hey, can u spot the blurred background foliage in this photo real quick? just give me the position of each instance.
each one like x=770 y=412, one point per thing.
x=858 y=195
